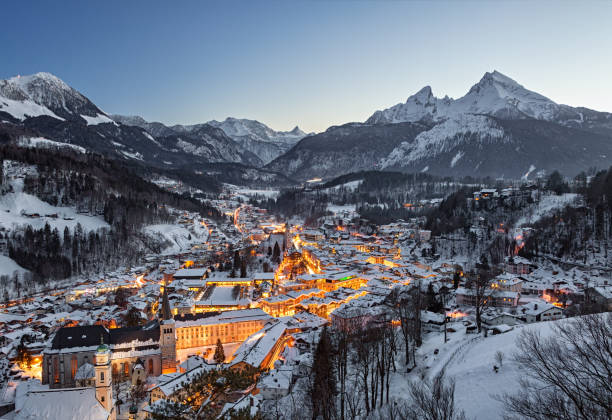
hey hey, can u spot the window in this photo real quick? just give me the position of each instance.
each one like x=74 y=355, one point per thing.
x=126 y=368
x=150 y=366
x=73 y=366
x=102 y=398
x=102 y=376
x=56 y=377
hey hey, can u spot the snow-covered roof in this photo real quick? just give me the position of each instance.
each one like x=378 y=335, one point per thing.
x=254 y=349
x=71 y=403
x=86 y=371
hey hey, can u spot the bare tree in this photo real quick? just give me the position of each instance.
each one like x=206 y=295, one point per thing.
x=406 y=305
x=480 y=284
x=433 y=400
x=567 y=375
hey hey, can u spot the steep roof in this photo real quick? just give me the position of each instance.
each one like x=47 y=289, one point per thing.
x=72 y=403
x=80 y=336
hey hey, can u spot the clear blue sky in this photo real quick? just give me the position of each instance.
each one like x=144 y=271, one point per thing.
x=311 y=63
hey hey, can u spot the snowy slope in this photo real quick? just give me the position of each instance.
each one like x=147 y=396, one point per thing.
x=180 y=238
x=8 y=266
x=469 y=360
x=15 y=206
x=546 y=205
x=43 y=143
x=444 y=137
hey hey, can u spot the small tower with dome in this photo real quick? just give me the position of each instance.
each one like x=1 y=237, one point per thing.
x=102 y=365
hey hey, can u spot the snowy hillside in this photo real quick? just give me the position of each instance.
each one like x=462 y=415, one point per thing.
x=469 y=360
x=20 y=209
x=545 y=206
x=178 y=238
x=445 y=137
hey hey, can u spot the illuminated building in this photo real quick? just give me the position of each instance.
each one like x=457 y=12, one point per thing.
x=195 y=332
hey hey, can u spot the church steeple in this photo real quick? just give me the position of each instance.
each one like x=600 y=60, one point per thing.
x=166 y=312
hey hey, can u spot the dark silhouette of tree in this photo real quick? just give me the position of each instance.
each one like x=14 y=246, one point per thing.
x=219 y=356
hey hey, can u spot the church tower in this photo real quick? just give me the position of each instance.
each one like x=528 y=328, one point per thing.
x=104 y=390
x=167 y=336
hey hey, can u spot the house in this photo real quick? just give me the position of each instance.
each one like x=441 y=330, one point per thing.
x=432 y=321
x=492 y=317
x=539 y=311
x=601 y=296
x=495 y=297
x=190 y=274
x=262 y=349
x=73 y=403
x=275 y=384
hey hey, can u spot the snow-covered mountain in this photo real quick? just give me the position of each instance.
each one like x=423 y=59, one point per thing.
x=45 y=94
x=43 y=106
x=495 y=94
x=498 y=114
x=498 y=128
x=252 y=136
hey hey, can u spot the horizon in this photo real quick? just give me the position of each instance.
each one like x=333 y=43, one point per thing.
x=308 y=64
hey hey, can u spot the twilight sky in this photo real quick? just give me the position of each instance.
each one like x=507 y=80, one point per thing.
x=310 y=63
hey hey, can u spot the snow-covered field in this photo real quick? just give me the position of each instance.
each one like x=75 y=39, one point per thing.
x=44 y=143
x=180 y=237
x=338 y=210
x=247 y=193
x=14 y=206
x=349 y=186
x=469 y=360
x=8 y=266
x=547 y=204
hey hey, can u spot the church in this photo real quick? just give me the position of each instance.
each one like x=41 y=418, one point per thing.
x=152 y=345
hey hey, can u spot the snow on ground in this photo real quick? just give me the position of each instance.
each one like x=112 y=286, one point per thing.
x=349 y=186
x=336 y=209
x=14 y=207
x=246 y=193
x=98 y=119
x=44 y=143
x=135 y=155
x=180 y=237
x=8 y=266
x=547 y=204
x=469 y=360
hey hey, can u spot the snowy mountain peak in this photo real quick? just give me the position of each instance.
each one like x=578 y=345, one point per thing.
x=44 y=94
x=495 y=94
x=422 y=95
x=297 y=132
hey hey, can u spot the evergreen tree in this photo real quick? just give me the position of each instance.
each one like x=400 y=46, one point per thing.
x=323 y=382
x=243 y=269
x=219 y=353
x=236 y=260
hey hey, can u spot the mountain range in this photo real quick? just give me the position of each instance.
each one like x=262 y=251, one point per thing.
x=498 y=128
x=42 y=105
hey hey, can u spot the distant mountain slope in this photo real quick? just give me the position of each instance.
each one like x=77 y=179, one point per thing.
x=42 y=105
x=253 y=137
x=342 y=149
